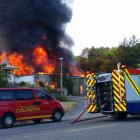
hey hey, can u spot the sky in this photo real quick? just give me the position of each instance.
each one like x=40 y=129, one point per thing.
x=103 y=23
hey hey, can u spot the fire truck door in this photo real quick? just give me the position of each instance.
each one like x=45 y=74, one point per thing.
x=104 y=96
x=91 y=95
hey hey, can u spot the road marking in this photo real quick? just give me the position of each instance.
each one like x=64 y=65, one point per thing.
x=95 y=127
x=42 y=134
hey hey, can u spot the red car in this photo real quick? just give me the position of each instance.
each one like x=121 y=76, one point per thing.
x=18 y=104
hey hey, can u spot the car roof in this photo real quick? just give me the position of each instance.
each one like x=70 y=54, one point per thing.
x=18 y=88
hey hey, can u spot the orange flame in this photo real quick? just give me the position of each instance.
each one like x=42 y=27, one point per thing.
x=75 y=71
x=41 y=59
x=17 y=60
x=3 y=57
x=40 y=55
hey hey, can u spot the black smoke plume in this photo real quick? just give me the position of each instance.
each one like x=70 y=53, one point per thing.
x=24 y=24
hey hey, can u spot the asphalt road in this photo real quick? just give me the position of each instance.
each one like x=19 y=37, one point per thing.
x=92 y=129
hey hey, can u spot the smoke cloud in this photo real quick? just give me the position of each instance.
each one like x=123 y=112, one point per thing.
x=24 y=24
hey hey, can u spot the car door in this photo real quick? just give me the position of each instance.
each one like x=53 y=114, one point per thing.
x=44 y=104
x=24 y=105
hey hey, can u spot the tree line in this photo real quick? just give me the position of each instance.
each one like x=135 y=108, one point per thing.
x=105 y=59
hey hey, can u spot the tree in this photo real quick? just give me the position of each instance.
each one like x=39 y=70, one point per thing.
x=105 y=59
x=3 y=77
x=128 y=52
x=85 y=53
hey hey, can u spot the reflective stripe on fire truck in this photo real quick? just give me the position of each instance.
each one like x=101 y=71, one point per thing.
x=132 y=82
x=119 y=94
x=90 y=82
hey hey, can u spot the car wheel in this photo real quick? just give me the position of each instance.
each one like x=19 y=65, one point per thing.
x=57 y=116
x=8 y=120
x=37 y=120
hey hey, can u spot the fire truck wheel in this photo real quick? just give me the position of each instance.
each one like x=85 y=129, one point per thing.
x=57 y=116
x=8 y=120
x=37 y=120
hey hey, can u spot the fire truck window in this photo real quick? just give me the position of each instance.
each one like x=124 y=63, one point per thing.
x=6 y=95
x=24 y=94
x=103 y=87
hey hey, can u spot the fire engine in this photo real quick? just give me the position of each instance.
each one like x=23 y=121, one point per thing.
x=116 y=94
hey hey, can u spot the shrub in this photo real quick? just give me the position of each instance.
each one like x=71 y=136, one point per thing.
x=61 y=98
x=56 y=94
x=24 y=84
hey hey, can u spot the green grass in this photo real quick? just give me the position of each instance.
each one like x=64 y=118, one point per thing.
x=69 y=105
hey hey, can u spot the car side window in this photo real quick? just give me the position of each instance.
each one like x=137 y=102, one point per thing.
x=6 y=95
x=43 y=95
x=48 y=97
x=40 y=95
x=24 y=94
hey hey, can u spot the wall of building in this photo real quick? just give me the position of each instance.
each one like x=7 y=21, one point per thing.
x=78 y=86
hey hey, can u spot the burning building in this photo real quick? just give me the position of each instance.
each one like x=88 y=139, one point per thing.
x=33 y=38
x=32 y=35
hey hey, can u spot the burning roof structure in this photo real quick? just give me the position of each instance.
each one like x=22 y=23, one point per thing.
x=32 y=35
